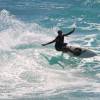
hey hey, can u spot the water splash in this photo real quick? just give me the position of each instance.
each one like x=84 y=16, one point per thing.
x=28 y=69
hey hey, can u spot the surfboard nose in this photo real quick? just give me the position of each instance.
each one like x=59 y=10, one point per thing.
x=88 y=53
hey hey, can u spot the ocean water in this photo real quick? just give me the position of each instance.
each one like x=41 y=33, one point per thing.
x=29 y=71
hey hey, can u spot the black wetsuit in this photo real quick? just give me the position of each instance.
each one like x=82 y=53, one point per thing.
x=60 y=43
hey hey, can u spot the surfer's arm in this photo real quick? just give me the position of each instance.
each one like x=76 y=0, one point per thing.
x=49 y=42
x=70 y=32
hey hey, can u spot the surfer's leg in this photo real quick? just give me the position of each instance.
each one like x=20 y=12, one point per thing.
x=64 y=48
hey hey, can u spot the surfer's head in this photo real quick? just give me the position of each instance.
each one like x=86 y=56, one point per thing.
x=60 y=32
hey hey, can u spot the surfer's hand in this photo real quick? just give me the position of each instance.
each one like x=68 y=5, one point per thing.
x=43 y=44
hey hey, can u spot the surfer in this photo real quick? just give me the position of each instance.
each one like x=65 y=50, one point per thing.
x=59 y=41
x=61 y=46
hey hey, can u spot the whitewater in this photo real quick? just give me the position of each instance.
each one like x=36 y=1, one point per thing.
x=29 y=71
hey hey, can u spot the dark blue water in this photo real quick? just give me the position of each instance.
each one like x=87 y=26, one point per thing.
x=32 y=72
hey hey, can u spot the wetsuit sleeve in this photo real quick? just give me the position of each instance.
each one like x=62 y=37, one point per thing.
x=49 y=42
x=70 y=32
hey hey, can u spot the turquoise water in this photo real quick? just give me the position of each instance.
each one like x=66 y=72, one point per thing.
x=29 y=71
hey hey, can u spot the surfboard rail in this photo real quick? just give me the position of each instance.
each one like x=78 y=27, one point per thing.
x=79 y=52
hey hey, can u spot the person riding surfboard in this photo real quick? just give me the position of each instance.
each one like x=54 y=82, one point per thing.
x=59 y=41
x=60 y=45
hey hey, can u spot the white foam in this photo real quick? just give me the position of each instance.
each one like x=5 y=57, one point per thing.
x=14 y=32
x=29 y=71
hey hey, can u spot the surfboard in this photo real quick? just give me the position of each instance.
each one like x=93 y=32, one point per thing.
x=79 y=52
